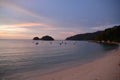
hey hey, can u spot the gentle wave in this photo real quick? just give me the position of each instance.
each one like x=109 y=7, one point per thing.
x=24 y=56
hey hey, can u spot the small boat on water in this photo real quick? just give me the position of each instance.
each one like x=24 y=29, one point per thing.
x=36 y=43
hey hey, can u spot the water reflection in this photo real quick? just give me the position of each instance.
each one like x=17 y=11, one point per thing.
x=22 y=56
x=107 y=46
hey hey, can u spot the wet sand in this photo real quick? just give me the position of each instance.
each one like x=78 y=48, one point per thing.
x=105 y=68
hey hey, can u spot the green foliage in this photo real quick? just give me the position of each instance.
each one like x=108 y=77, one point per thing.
x=110 y=34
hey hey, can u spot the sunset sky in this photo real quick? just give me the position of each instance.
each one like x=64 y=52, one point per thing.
x=24 y=19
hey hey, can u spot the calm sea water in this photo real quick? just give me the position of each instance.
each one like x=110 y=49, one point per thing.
x=23 y=59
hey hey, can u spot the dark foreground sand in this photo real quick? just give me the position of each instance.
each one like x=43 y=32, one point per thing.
x=105 y=68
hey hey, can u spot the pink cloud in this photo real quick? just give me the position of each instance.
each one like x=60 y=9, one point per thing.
x=25 y=25
x=68 y=33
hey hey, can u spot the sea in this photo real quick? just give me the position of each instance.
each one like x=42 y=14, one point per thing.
x=26 y=59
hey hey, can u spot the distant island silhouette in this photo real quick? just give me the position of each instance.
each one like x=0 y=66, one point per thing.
x=107 y=35
x=36 y=38
x=46 y=38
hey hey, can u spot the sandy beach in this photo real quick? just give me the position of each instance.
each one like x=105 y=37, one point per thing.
x=105 y=68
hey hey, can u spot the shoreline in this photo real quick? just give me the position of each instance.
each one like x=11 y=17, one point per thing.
x=104 y=68
x=89 y=70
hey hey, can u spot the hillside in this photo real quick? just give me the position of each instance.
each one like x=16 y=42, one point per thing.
x=109 y=34
x=86 y=36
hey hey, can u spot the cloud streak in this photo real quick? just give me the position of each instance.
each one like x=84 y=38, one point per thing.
x=25 y=27
x=12 y=6
x=14 y=27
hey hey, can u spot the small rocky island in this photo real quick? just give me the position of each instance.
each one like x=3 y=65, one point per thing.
x=36 y=38
x=46 y=38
